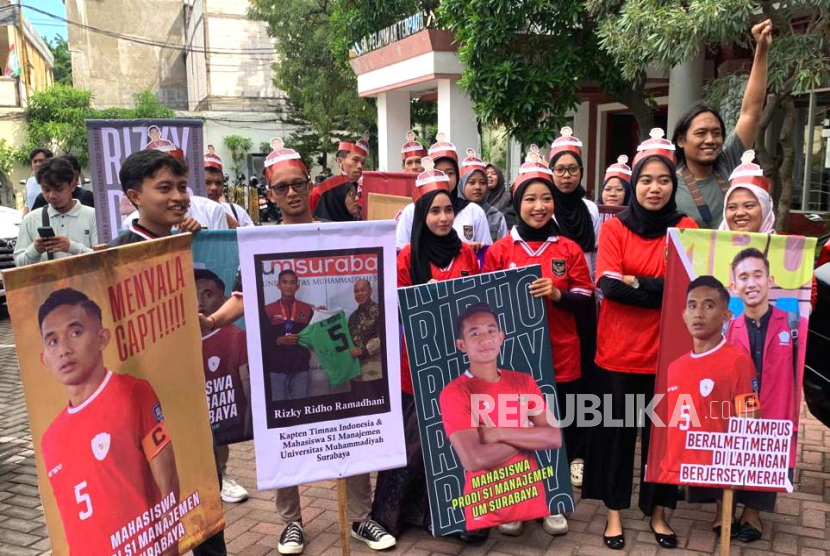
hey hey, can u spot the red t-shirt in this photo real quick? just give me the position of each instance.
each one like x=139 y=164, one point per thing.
x=712 y=381
x=464 y=264
x=223 y=352
x=627 y=336
x=456 y=412
x=562 y=261
x=97 y=458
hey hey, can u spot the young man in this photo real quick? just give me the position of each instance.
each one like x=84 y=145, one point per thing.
x=703 y=384
x=104 y=471
x=774 y=339
x=215 y=188
x=411 y=154
x=289 y=187
x=83 y=195
x=36 y=158
x=73 y=225
x=225 y=356
x=500 y=439
x=351 y=157
x=156 y=184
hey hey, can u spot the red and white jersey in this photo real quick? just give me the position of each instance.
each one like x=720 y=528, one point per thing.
x=97 y=457
x=563 y=262
x=708 y=383
x=223 y=352
x=455 y=401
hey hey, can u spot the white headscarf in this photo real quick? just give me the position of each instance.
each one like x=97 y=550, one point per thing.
x=764 y=199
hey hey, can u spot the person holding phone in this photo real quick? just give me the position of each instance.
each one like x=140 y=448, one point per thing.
x=64 y=227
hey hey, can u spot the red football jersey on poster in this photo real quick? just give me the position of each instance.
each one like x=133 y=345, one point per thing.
x=223 y=352
x=97 y=457
x=710 y=381
x=464 y=264
x=563 y=262
x=456 y=411
x=627 y=336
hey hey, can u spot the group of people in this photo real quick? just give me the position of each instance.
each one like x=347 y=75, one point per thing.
x=464 y=220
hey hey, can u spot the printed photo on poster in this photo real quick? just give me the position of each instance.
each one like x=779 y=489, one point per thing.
x=121 y=437
x=225 y=350
x=483 y=378
x=731 y=359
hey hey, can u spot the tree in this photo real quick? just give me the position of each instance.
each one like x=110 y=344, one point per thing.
x=320 y=87
x=672 y=31
x=63 y=60
x=239 y=147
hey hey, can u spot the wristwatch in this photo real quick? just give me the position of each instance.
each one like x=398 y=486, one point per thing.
x=635 y=283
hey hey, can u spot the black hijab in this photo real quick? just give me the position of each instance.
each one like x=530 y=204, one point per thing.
x=650 y=224
x=332 y=204
x=526 y=232
x=571 y=212
x=458 y=203
x=427 y=247
x=499 y=196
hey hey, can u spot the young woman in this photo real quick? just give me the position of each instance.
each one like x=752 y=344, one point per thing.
x=434 y=253
x=473 y=188
x=706 y=156
x=498 y=195
x=630 y=269
x=337 y=200
x=616 y=185
x=565 y=282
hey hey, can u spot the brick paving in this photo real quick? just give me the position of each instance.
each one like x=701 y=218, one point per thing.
x=798 y=527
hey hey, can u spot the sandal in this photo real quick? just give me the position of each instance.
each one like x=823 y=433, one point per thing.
x=577 y=468
x=748 y=533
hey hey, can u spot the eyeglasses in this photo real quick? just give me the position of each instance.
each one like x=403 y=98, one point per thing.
x=281 y=189
x=571 y=170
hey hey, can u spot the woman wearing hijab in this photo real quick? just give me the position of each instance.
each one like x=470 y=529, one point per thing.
x=337 y=201
x=630 y=269
x=566 y=283
x=470 y=220
x=498 y=196
x=616 y=185
x=434 y=253
x=473 y=188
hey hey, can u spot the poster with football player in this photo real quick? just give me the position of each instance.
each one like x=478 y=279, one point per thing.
x=731 y=359
x=110 y=361
x=483 y=377
x=224 y=350
x=323 y=350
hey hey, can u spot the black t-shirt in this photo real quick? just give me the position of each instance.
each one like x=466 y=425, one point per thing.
x=84 y=196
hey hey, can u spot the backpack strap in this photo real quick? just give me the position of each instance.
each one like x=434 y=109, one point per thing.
x=697 y=196
x=233 y=210
x=44 y=211
x=793 y=321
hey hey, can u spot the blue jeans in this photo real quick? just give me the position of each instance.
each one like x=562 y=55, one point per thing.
x=289 y=386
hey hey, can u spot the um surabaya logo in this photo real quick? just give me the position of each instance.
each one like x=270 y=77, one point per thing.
x=323 y=266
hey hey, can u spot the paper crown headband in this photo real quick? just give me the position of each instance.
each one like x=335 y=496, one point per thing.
x=566 y=142
x=282 y=157
x=360 y=147
x=620 y=169
x=471 y=163
x=212 y=160
x=412 y=147
x=749 y=173
x=442 y=148
x=163 y=145
x=431 y=179
x=656 y=145
x=534 y=168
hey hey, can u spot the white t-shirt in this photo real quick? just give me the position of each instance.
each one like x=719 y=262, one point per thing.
x=32 y=191
x=210 y=214
x=470 y=224
x=242 y=218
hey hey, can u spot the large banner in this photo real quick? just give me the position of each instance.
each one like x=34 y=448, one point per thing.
x=112 y=141
x=320 y=310
x=224 y=351
x=481 y=365
x=109 y=353
x=733 y=335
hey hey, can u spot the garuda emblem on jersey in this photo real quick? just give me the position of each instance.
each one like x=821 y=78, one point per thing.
x=468 y=232
x=706 y=386
x=557 y=266
x=101 y=445
x=213 y=363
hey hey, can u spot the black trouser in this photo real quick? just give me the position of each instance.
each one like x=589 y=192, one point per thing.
x=215 y=545
x=609 y=462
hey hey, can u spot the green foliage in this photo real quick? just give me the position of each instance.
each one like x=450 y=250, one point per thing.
x=8 y=156
x=265 y=147
x=239 y=147
x=352 y=20
x=424 y=117
x=63 y=60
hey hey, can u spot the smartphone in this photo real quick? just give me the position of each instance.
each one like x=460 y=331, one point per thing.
x=45 y=231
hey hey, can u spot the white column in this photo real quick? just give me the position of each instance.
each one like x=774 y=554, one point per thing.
x=685 y=85
x=456 y=117
x=393 y=123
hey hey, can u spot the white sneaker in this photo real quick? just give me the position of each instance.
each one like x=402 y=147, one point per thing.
x=555 y=524
x=373 y=534
x=292 y=540
x=577 y=468
x=512 y=529
x=233 y=492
